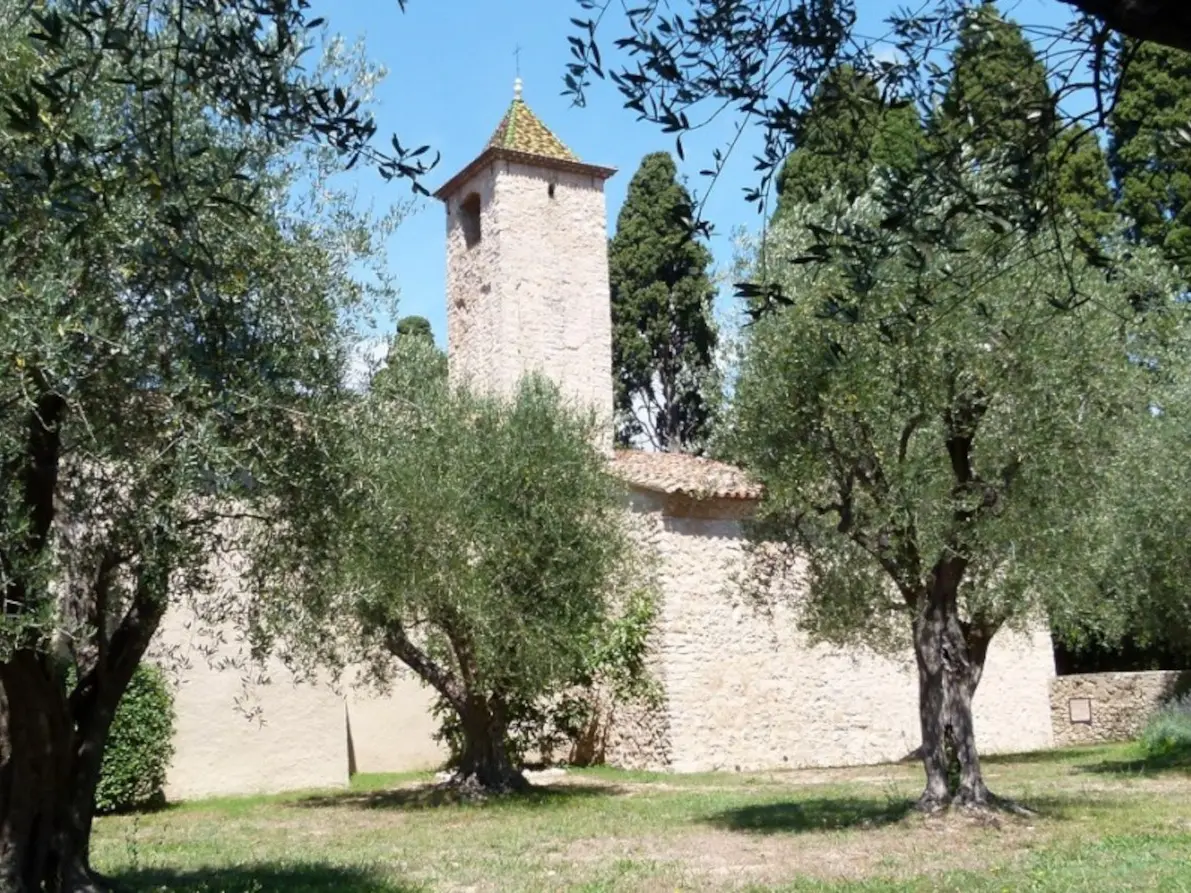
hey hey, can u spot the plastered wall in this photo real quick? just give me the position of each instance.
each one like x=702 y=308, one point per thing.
x=393 y=731
x=236 y=733
x=233 y=738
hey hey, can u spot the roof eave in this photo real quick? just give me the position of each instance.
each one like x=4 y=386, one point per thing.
x=689 y=492
x=498 y=153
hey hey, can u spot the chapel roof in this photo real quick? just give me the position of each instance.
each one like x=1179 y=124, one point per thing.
x=522 y=137
x=520 y=130
x=678 y=474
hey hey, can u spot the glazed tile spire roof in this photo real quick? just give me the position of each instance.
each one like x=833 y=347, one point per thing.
x=522 y=131
x=523 y=138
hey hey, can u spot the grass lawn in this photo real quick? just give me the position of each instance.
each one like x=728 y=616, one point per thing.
x=1106 y=822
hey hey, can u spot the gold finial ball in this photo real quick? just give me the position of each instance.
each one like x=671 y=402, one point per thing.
x=517 y=85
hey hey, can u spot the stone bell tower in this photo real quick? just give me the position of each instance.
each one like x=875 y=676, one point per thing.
x=527 y=265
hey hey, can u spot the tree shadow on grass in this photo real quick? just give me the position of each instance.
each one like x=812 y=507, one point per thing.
x=433 y=796
x=1057 y=755
x=265 y=878
x=862 y=814
x=819 y=814
x=1177 y=760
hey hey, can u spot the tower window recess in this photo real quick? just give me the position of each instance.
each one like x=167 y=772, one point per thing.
x=469 y=219
x=550 y=190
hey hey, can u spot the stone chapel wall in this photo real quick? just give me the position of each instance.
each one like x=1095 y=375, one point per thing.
x=745 y=690
x=1094 y=708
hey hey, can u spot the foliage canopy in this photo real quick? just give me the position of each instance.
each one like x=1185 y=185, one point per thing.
x=482 y=544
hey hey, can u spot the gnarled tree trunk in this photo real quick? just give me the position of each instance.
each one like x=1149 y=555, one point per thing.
x=51 y=753
x=484 y=763
x=94 y=705
x=950 y=660
x=35 y=737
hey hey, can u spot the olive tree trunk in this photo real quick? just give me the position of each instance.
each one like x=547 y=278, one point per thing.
x=484 y=764
x=950 y=663
x=51 y=754
x=35 y=739
x=484 y=761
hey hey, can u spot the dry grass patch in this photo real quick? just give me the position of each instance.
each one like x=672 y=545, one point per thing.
x=598 y=830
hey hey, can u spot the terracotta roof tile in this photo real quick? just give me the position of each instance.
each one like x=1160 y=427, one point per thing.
x=521 y=131
x=677 y=473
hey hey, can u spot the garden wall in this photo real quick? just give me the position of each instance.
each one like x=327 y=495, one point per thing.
x=1098 y=707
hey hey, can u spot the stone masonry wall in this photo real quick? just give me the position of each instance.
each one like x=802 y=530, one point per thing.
x=473 y=309
x=532 y=293
x=745 y=689
x=1098 y=707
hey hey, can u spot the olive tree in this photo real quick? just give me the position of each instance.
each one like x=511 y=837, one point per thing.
x=482 y=544
x=175 y=276
x=1140 y=527
x=927 y=415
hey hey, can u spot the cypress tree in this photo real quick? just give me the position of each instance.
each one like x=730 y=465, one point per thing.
x=998 y=108
x=414 y=337
x=998 y=102
x=848 y=131
x=1149 y=153
x=663 y=333
x=418 y=326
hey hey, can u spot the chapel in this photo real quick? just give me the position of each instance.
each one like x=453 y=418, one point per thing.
x=741 y=687
x=527 y=289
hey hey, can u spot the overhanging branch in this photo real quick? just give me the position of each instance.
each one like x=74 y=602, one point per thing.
x=1167 y=22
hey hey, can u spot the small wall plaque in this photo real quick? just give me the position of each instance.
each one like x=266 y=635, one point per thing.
x=1080 y=710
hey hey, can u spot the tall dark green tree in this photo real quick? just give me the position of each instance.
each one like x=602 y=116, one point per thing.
x=663 y=331
x=726 y=58
x=847 y=133
x=998 y=108
x=1149 y=150
x=413 y=334
x=997 y=102
x=417 y=326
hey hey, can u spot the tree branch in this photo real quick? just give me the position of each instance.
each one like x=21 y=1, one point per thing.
x=1167 y=22
x=400 y=646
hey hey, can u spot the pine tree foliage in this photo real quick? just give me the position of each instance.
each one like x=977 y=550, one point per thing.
x=999 y=110
x=762 y=67
x=417 y=326
x=663 y=329
x=414 y=336
x=998 y=102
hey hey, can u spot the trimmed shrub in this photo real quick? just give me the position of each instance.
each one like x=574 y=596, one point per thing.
x=1168 y=732
x=139 y=747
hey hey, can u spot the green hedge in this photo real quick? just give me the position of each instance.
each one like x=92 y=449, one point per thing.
x=139 y=746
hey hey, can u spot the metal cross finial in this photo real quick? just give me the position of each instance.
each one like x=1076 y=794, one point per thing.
x=517 y=83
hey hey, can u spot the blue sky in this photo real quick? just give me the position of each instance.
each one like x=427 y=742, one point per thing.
x=450 y=77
